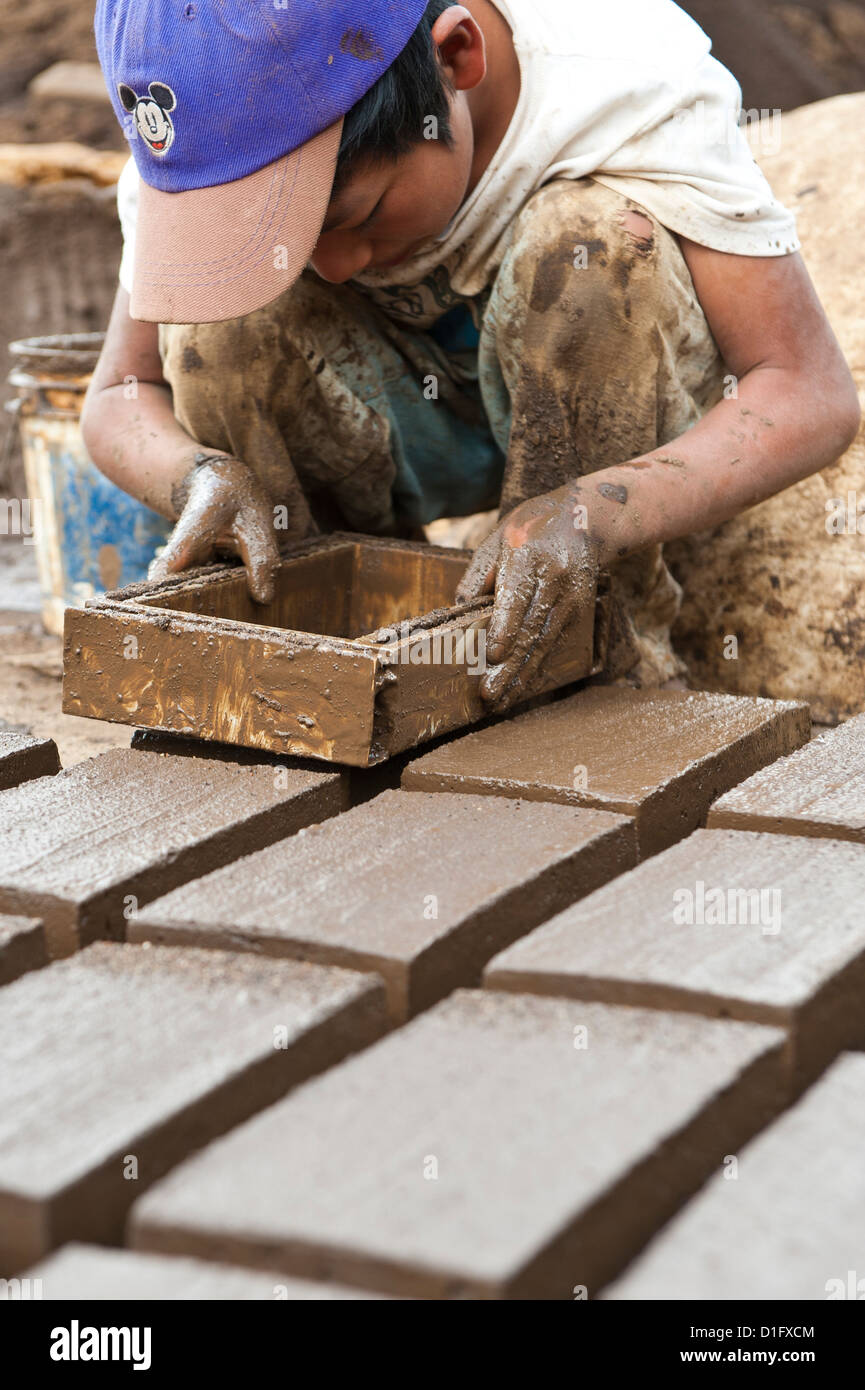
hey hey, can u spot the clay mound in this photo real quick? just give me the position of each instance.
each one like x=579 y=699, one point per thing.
x=776 y=578
x=34 y=36
x=785 y=55
x=23 y=165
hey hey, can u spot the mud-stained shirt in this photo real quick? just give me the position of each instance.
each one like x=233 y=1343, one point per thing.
x=626 y=92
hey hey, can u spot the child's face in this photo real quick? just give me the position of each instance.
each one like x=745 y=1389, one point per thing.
x=386 y=211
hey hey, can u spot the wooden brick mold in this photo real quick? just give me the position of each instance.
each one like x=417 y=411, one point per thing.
x=361 y=654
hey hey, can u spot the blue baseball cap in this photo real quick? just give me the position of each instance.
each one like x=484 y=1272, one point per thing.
x=234 y=112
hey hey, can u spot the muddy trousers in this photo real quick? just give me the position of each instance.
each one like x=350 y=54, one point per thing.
x=592 y=349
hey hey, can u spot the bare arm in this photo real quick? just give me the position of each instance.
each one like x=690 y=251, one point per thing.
x=133 y=437
x=796 y=411
x=128 y=419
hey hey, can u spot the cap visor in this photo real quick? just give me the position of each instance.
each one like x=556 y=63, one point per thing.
x=218 y=253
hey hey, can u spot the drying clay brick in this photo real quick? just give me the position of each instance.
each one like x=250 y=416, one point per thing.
x=792 y=1223
x=83 y=849
x=122 y=1059
x=482 y=1150
x=22 y=947
x=364 y=782
x=23 y=757
x=819 y=790
x=421 y=889
x=661 y=756
x=82 y=1273
x=727 y=923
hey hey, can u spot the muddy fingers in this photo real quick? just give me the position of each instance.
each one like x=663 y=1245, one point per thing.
x=224 y=507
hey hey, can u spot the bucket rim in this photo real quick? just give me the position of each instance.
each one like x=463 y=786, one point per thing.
x=63 y=342
x=73 y=353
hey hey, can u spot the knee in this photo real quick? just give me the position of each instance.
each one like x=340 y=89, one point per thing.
x=639 y=230
x=588 y=259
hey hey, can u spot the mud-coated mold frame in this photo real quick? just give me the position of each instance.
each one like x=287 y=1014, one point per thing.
x=363 y=652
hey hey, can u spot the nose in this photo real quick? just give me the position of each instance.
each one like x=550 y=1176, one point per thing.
x=336 y=259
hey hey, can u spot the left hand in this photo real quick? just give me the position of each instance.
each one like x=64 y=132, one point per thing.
x=545 y=571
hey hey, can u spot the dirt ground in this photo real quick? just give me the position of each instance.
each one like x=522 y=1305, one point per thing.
x=33 y=35
x=31 y=666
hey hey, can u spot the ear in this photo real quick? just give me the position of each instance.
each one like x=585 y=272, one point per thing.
x=461 y=47
x=163 y=96
x=127 y=96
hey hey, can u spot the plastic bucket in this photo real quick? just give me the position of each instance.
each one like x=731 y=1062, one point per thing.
x=89 y=536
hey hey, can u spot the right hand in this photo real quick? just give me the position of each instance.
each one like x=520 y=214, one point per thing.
x=223 y=506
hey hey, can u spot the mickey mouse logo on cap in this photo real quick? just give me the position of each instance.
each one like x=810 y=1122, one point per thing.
x=150 y=114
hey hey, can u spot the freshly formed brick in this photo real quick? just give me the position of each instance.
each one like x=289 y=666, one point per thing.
x=22 y=947
x=421 y=889
x=787 y=1223
x=481 y=1150
x=23 y=757
x=122 y=1059
x=82 y=849
x=363 y=782
x=661 y=756
x=727 y=923
x=819 y=790
x=81 y=1273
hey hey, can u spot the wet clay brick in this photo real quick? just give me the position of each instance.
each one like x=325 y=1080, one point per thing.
x=819 y=790
x=482 y=1150
x=661 y=756
x=728 y=923
x=129 y=826
x=87 y=1272
x=23 y=757
x=136 y=1055
x=421 y=889
x=22 y=947
x=364 y=782
x=792 y=1223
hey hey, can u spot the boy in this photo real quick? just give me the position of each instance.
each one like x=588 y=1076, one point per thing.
x=416 y=260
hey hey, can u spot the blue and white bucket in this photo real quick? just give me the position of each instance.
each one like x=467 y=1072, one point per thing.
x=89 y=536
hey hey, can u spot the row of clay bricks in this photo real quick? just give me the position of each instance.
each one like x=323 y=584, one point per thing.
x=784 y=1223
x=84 y=849
x=443 y=1159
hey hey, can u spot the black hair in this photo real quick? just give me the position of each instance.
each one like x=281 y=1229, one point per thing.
x=391 y=118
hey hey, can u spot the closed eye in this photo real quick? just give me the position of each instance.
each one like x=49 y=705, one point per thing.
x=369 y=221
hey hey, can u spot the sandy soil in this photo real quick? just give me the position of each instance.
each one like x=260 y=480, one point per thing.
x=30 y=694
x=31 y=665
x=33 y=35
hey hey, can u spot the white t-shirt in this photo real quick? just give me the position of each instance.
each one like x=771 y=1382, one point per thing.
x=625 y=91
